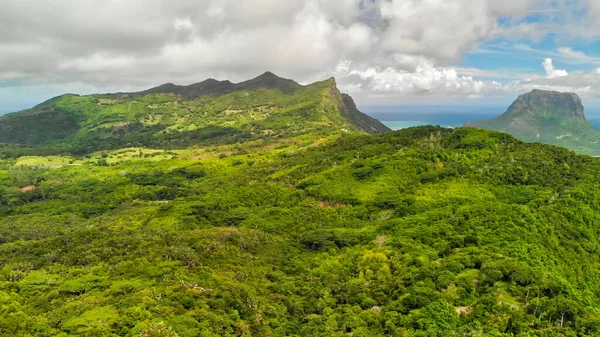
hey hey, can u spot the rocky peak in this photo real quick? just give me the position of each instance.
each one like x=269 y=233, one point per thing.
x=559 y=103
x=548 y=117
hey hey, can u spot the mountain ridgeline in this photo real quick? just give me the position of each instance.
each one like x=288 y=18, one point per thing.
x=548 y=117
x=212 y=87
x=172 y=116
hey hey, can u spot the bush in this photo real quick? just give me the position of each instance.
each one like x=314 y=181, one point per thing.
x=324 y=239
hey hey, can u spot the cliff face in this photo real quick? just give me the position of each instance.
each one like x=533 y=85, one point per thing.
x=567 y=105
x=348 y=111
x=367 y=123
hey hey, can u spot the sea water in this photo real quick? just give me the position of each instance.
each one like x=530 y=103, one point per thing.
x=406 y=118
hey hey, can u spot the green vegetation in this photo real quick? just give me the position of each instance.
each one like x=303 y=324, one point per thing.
x=172 y=117
x=265 y=209
x=548 y=117
x=422 y=232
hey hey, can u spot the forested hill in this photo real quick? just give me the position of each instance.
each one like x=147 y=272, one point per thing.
x=548 y=117
x=170 y=116
x=420 y=232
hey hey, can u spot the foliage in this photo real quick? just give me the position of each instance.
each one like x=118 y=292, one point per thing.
x=422 y=232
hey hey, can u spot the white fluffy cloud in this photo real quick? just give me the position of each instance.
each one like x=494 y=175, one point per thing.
x=551 y=71
x=584 y=83
x=386 y=85
x=423 y=80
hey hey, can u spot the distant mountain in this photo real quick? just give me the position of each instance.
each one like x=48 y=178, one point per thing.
x=212 y=87
x=548 y=117
x=168 y=116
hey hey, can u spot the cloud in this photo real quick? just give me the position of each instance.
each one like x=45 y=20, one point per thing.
x=550 y=71
x=423 y=80
x=561 y=19
x=384 y=86
x=594 y=11
x=409 y=33
x=186 y=40
x=584 y=83
x=577 y=56
x=384 y=47
x=563 y=54
x=508 y=74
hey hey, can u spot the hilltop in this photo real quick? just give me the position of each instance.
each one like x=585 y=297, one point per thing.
x=171 y=116
x=548 y=117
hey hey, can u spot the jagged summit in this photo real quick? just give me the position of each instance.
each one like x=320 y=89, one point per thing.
x=549 y=117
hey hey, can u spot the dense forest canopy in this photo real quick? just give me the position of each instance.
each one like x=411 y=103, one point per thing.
x=421 y=232
x=165 y=194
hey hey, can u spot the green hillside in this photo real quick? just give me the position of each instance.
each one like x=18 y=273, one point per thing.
x=170 y=116
x=548 y=117
x=421 y=232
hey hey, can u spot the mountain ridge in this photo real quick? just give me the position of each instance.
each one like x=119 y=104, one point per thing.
x=212 y=86
x=171 y=115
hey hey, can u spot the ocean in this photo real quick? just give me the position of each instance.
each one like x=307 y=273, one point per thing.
x=405 y=118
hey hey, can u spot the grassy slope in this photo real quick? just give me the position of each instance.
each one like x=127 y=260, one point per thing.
x=369 y=235
x=83 y=124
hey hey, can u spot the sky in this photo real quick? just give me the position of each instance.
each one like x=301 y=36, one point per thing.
x=385 y=53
